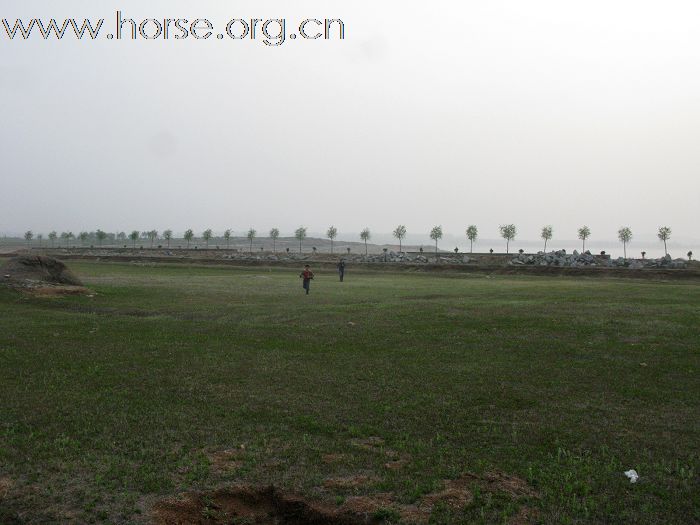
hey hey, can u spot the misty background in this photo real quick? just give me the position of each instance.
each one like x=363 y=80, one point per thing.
x=431 y=113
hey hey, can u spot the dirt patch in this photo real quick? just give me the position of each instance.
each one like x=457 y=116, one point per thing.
x=525 y=516
x=377 y=444
x=456 y=494
x=333 y=458
x=372 y=507
x=396 y=465
x=365 y=505
x=348 y=482
x=369 y=505
x=246 y=505
x=268 y=506
x=5 y=485
x=227 y=460
x=511 y=485
x=54 y=291
x=371 y=443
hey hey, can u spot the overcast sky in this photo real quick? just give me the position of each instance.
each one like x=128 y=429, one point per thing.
x=442 y=112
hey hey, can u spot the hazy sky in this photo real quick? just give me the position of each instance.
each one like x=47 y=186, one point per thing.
x=440 y=112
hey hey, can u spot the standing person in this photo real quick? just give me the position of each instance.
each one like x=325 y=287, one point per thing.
x=341 y=269
x=307 y=275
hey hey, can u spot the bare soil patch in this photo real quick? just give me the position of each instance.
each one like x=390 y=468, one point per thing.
x=525 y=516
x=55 y=290
x=267 y=506
x=456 y=494
x=370 y=443
x=333 y=458
x=511 y=485
x=376 y=444
x=370 y=507
x=245 y=504
x=227 y=460
x=365 y=505
x=397 y=464
x=348 y=482
x=5 y=485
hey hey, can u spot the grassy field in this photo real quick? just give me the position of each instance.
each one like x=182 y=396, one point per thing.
x=176 y=378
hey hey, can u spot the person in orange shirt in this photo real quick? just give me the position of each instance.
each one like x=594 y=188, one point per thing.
x=307 y=275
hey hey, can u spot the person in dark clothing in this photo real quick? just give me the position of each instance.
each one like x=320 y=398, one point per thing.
x=307 y=275
x=341 y=269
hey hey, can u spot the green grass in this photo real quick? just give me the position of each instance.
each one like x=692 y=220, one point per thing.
x=110 y=402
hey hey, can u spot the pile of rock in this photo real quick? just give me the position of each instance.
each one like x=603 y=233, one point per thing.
x=403 y=257
x=560 y=258
x=280 y=256
x=663 y=262
x=576 y=259
x=388 y=257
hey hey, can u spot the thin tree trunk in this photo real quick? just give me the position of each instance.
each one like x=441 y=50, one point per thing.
x=507 y=247
x=665 y=249
x=545 y=245
x=471 y=246
x=365 y=247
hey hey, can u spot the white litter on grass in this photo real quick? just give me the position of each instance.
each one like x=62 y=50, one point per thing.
x=632 y=474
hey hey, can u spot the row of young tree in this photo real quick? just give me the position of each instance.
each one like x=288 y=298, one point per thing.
x=508 y=232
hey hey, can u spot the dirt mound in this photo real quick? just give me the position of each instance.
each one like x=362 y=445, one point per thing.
x=267 y=506
x=512 y=485
x=38 y=268
x=456 y=494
